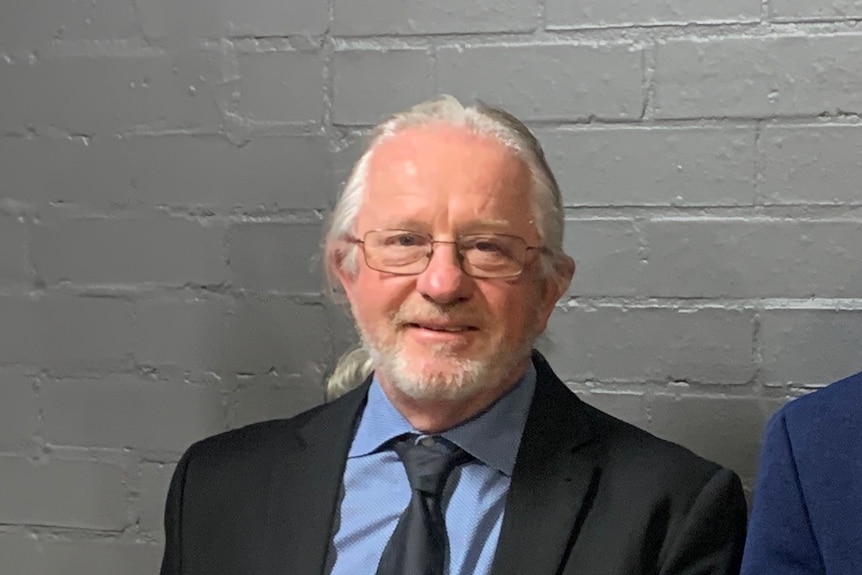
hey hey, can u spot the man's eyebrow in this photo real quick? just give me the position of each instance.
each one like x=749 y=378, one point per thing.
x=408 y=224
x=486 y=226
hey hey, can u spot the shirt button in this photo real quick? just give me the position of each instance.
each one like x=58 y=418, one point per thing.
x=427 y=441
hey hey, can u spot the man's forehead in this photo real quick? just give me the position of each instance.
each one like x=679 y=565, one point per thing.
x=443 y=171
x=438 y=141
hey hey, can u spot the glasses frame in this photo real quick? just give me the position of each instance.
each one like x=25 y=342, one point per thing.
x=361 y=242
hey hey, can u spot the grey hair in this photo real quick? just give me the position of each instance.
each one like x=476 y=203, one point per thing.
x=546 y=200
x=355 y=365
x=351 y=370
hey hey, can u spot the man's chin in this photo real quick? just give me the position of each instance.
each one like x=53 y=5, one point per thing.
x=439 y=371
x=442 y=359
x=436 y=388
x=437 y=380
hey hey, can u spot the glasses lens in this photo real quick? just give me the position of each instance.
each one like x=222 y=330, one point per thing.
x=396 y=250
x=482 y=256
x=492 y=255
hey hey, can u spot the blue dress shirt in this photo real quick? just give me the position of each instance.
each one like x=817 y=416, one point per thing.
x=376 y=491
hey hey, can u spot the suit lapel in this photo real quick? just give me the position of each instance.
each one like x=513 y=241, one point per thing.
x=305 y=485
x=551 y=484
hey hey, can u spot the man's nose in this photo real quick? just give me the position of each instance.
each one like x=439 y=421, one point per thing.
x=444 y=281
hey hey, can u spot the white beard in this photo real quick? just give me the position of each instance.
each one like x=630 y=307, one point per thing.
x=440 y=374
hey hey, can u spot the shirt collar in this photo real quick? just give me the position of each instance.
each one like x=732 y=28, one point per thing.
x=492 y=437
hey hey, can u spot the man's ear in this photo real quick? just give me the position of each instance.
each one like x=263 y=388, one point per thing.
x=565 y=271
x=554 y=286
x=337 y=256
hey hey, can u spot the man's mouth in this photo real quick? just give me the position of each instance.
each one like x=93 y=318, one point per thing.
x=442 y=327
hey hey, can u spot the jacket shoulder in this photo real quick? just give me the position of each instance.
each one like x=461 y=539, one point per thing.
x=816 y=426
x=253 y=439
x=679 y=500
x=838 y=400
x=640 y=448
x=618 y=445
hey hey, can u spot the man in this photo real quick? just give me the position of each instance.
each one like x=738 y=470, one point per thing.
x=463 y=453
x=807 y=514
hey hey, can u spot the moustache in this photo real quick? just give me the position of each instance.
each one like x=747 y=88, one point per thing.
x=428 y=314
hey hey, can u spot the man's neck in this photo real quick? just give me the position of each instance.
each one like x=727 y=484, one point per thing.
x=438 y=415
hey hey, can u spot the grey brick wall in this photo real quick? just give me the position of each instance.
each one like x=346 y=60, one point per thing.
x=165 y=169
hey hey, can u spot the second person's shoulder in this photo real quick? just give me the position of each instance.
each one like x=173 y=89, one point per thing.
x=841 y=400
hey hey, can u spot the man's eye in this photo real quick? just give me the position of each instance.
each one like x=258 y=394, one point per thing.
x=405 y=240
x=488 y=246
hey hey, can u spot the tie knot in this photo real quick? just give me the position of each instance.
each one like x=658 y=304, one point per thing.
x=428 y=464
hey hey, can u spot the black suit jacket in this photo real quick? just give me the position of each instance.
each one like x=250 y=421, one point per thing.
x=590 y=495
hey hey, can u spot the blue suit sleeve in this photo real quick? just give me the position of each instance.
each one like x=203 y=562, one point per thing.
x=780 y=539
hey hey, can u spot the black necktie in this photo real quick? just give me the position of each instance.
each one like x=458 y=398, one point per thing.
x=418 y=544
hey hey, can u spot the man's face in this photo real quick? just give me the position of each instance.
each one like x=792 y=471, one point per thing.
x=442 y=334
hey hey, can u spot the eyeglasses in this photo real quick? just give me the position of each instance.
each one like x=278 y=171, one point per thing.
x=403 y=252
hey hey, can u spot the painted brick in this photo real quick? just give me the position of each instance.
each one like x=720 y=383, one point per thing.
x=155 y=479
x=597 y=13
x=607 y=254
x=13 y=252
x=118 y=411
x=19 y=411
x=26 y=554
x=100 y=558
x=266 y=18
x=273 y=256
x=255 y=337
x=797 y=161
x=290 y=172
x=653 y=166
x=215 y=19
x=155 y=17
x=261 y=398
x=49 y=333
x=286 y=172
x=22 y=554
x=814 y=9
x=712 y=346
x=547 y=82
x=759 y=77
x=368 y=85
x=104 y=95
x=187 y=334
x=263 y=335
x=745 y=258
x=26 y=26
x=372 y=17
x=630 y=407
x=81 y=494
x=281 y=87
x=116 y=251
x=810 y=347
x=726 y=430
x=87 y=172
